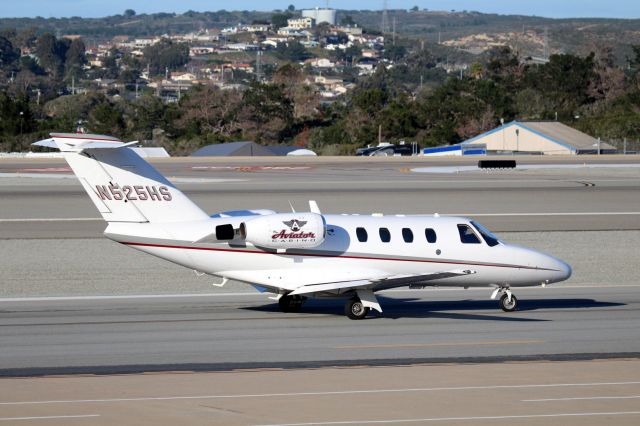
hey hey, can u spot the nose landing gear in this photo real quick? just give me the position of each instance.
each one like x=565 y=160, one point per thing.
x=508 y=305
x=508 y=301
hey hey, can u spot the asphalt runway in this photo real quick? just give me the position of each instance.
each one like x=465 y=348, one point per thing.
x=65 y=309
x=239 y=331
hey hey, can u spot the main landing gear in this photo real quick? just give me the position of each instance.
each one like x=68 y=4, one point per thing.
x=508 y=300
x=361 y=302
x=355 y=309
x=291 y=303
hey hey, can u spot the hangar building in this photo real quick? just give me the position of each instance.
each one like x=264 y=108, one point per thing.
x=540 y=137
x=249 y=149
x=233 y=149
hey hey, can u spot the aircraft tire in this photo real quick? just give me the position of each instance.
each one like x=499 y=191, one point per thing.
x=355 y=310
x=506 y=306
x=290 y=303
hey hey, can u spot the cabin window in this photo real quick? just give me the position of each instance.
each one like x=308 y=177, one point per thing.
x=430 y=235
x=361 y=233
x=467 y=236
x=487 y=236
x=385 y=235
x=407 y=235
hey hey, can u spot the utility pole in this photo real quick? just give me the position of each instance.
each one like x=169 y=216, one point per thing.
x=546 y=43
x=385 y=17
x=73 y=84
x=379 y=134
x=259 y=75
x=394 y=30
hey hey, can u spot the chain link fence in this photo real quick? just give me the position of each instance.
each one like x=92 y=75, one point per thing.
x=625 y=146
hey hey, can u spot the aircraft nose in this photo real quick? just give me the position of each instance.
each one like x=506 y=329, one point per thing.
x=562 y=270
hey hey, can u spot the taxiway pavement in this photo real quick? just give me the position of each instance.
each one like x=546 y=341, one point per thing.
x=41 y=199
x=569 y=393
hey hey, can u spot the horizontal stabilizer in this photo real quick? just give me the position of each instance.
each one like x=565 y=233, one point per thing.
x=77 y=142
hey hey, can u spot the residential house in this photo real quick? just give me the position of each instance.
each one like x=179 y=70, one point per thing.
x=257 y=28
x=183 y=76
x=320 y=63
x=300 y=23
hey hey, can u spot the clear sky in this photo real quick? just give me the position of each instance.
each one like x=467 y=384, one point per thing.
x=97 y=8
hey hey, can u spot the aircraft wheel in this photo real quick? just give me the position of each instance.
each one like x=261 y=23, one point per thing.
x=290 y=303
x=355 y=310
x=508 y=306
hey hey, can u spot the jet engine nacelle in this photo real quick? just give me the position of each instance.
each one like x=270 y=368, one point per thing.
x=285 y=230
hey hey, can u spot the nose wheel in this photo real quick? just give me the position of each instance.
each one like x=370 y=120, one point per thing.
x=508 y=304
x=508 y=301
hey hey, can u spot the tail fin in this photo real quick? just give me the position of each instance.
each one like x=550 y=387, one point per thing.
x=123 y=186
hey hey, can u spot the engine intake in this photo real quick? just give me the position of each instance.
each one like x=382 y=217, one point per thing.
x=285 y=230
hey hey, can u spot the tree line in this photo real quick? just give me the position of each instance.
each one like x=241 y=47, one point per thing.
x=413 y=100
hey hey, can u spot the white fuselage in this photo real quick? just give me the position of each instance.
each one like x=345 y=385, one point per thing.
x=343 y=257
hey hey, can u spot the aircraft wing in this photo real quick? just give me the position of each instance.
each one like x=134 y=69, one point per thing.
x=392 y=281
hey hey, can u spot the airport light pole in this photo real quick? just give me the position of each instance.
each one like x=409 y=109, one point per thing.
x=503 y=141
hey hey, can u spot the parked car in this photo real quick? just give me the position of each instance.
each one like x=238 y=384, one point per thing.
x=388 y=150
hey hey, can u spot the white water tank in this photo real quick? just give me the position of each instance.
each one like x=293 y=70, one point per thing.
x=320 y=15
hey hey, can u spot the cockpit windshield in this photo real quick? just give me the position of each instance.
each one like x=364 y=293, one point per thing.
x=487 y=236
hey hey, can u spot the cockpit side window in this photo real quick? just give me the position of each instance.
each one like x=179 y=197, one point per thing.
x=385 y=235
x=407 y=235
x=361 y=233
x=487 y=236
x=467 y=236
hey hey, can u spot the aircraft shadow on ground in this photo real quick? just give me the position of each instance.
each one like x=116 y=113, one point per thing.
x=396 y=308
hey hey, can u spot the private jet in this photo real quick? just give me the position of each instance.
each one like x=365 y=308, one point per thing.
x=298 y=255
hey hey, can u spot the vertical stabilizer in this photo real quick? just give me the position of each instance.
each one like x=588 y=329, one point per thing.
x=123 y=186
